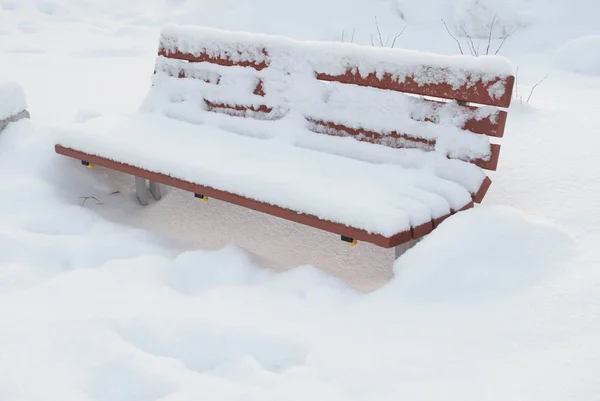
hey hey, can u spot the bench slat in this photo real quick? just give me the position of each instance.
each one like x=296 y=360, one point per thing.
x=395 y=139
x=223 y=60
x=474 y=92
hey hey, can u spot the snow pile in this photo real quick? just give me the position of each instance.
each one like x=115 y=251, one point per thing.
x=103 y=312
x=492 y=266
x=494 y=305
x=12 y=100
x=581 y=55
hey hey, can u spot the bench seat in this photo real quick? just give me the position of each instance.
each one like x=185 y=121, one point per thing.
x=380 y=198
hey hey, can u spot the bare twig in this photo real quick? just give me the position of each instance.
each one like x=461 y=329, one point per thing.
x=487 y=50
x=372 y=44
x=352 y=38
x=453 y=37
x=378 y=32
x=535 y=86
x=342 y=36
x=504 y=40
x=470 y=42
x=86 y=198
x=397 y=36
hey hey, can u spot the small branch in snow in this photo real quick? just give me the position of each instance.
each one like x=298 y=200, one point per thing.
x=86 y=198
x=470 y=42
x=344 y=36
x=378 y=32
x=487 y=50
x=453 y=37
x=378 y=40
x=535 y=86
x=397 y=36
x=504 y=40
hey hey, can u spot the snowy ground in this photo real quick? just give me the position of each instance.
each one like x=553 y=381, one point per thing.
x=113 y=301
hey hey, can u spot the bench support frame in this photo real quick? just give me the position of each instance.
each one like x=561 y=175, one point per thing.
x=141 y=190
x=155 y=190
x=402 y=248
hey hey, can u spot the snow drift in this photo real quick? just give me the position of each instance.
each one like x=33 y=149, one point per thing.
x=581 y=55
x=496 y=305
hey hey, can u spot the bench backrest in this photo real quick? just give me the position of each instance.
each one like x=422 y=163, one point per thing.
x=391 y=97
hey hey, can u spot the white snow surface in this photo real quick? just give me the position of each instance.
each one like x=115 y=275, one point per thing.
x=581 y=55
x=102 y=299
x=12 y=99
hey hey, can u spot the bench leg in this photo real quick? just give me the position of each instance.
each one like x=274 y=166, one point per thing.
x=141 y=190
x=400 y=249
x=155 y=190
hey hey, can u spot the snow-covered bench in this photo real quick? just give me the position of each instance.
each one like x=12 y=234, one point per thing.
x=12 y=104
x=328 y=135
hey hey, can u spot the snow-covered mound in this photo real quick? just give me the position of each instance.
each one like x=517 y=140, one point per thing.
x=99 y=311
x=499 y=303
x=581 y=55
x=500 y=240
x=12 y=99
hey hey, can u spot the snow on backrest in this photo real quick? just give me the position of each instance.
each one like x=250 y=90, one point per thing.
x=344 y=89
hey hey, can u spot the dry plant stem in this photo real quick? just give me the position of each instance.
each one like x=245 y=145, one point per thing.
x=504 y=40
x=535 y=86
x=378 y=32
x=487 y=50
x=86 y=198
x=470 y=42
x=397 y=36
x=453 y=37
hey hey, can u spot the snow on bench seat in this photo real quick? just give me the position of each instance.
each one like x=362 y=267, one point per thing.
x=12 y=104
x=384 y=199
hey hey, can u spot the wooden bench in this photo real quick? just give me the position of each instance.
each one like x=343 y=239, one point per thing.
x=374 y=145
x=12 y=104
